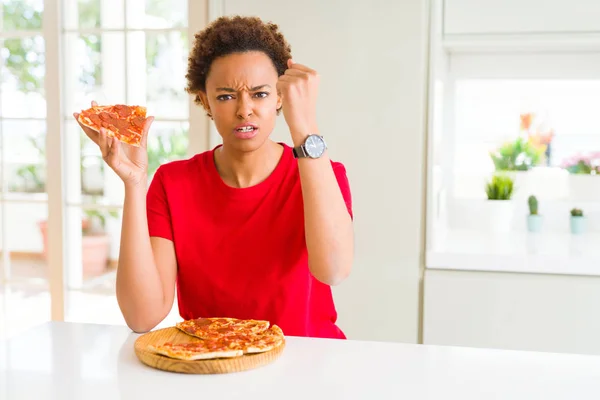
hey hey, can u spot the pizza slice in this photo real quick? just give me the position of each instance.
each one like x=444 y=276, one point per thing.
x=201 y=350
x=227 y=346
x=265 y=341
x=126 y=123
x=205 y=328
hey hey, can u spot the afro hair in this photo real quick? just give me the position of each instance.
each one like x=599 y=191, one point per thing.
x=229 y=35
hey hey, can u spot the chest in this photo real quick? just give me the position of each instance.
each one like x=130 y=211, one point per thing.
x=256 y=240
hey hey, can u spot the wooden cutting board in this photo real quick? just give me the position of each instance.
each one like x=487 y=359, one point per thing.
x=215 y=366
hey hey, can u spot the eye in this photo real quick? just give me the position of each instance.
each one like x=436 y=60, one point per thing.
x=261 y=95
x=224 y=97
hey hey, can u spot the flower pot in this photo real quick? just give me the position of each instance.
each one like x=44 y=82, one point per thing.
x=498 y=215
x=95 y=249
x=534 y=223
x=577 y=225
x=94 y=253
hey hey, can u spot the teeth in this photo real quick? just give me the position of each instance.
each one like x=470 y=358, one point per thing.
x=246 y=129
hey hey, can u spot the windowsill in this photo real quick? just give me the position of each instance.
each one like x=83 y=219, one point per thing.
x=520 y=252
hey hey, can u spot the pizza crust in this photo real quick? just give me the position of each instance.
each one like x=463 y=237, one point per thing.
x=191 y=355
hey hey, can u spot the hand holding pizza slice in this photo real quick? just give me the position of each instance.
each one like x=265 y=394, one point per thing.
x=121 y=132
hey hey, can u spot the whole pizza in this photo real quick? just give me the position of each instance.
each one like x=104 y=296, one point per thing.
x=222 y=338
x=124 y=122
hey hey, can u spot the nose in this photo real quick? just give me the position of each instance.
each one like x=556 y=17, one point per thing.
x=244 y=109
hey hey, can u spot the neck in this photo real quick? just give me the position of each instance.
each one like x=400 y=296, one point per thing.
x=245 y=169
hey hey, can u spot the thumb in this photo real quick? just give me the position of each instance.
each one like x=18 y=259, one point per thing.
x=147 y=124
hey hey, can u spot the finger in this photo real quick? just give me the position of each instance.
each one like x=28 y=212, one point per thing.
x=286 y=79
x=296 y=72
x=103 y=142
x=94 y=104
x=90 y=133
x=147 y=124
x=112 y=159
x=300 y=67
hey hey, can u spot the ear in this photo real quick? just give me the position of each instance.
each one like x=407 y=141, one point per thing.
x=201 y=96
x=279 y=102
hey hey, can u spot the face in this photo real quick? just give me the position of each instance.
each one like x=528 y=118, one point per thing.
x=241 y=95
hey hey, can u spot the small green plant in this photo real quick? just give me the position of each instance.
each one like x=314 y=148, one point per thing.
x=500 y=188
x=519 y=155
x=533 y=205
x=577 y=212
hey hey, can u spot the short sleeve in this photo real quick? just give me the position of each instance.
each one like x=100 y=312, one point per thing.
x=342 y=179
x=157 y=208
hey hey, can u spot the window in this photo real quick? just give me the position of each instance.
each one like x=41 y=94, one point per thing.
x=520 y=106
x=118 y=51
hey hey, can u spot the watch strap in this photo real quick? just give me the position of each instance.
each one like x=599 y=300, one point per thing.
x=299 y=152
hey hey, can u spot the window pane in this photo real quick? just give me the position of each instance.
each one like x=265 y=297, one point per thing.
x=100 y=241
x=155 y=14
x=488 y=115
x=22 y=77
x=94 y=70
x=22 y=15
x=157 y=65
x=87 y=14
x=86 y=183
x=24 y=154
x=26 y=216
x=2 y=267
x=167 y=141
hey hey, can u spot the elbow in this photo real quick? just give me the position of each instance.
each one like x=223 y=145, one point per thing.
x=332 y=274
x=139 y=321
x=139 y=325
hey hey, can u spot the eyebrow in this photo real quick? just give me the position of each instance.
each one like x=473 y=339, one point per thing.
x=231 y=90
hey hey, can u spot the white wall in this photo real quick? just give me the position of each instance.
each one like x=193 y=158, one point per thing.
x=372 y=60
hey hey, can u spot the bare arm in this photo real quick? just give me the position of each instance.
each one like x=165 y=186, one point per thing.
x=147 y=267
x=328 y=225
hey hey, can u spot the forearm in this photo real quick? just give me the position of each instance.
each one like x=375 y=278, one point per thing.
x=328 y=225
x=139 y=289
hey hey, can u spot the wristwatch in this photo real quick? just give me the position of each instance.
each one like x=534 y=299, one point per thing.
x=314 y=146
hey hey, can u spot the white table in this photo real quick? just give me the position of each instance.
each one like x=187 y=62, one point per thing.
x=83 y=361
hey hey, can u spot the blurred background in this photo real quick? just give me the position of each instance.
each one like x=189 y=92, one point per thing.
x=468 y=128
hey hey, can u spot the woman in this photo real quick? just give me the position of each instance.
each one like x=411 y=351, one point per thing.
x=251 y=229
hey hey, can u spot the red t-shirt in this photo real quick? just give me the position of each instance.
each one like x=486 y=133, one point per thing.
x=242 y=253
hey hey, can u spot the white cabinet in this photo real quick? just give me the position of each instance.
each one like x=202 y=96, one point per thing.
x=468 y=17
x=512 y=311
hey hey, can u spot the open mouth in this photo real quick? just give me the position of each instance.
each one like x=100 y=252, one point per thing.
x=246 y=131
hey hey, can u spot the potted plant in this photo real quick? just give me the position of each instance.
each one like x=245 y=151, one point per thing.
x=516 y=158
x=577 y=221
x=500 y=208
x=534 y=220
x=584 y=176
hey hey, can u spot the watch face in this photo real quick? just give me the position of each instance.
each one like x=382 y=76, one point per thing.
x=315 y=146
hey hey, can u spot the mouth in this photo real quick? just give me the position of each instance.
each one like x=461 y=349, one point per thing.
x=246 y=131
